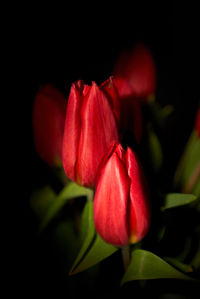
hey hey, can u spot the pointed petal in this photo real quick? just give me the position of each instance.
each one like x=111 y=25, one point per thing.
x=123 y=87
x=110 y=202
x=72 y=129
x=110 y=90
x=98 y=132
x=139 y=218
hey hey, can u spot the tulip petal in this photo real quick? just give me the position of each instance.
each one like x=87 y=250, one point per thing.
x=111 y=92
x=138 y=67
x=110 y=203
x=139 y=218
x=72 y=129
x=123 y=87
x=98 y=132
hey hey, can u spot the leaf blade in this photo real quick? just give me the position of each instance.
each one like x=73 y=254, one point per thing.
x=70 y=191
x=88 y=210
x=154 y=150
x=99 y=251
x=173 y=200
x=143 y=262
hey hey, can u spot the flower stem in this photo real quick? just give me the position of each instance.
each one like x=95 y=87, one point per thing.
x=90 y=194
x=192 y=180
x=126 y=256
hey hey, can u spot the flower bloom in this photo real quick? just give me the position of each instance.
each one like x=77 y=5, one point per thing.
x=48 y=124
x=197 y=123
x=121 y=203
x=138 y=68
x=90 y=129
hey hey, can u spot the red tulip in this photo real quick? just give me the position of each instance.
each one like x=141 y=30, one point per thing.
x=48 y=124
x=138 y=68
x=197 y=123
x=121 y=207
x=90 y=129
x=110 y=89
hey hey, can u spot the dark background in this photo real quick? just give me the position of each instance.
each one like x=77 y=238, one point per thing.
x=61 y=45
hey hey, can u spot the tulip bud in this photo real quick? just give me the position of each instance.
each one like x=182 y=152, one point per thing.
x=197 y=123
x=121 y=203
x=138 y=68
x=90 y=129
x=48 y=124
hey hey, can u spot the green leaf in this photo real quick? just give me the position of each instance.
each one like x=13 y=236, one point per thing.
x=196 y=189
x=65 y=242
x=146 y=265
x=41 y=200
x=192 y=160
x=84 y=222
x=70 y=191
x=88 y=210
x=99 y=251
x=154 y=150
x=189 y=160
x=166 y=111
x=159 y=114
x=173 y=200
x=181 y=266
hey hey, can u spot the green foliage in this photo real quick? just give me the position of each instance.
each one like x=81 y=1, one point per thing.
x=72 y=190
x=94 y=249
x=89 y=235
x=173 y=200
x=154 y=150
x=146 y=265
x=185 y=177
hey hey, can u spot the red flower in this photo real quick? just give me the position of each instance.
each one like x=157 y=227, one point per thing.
x=121 y=207
x=138 y=68
x=48 y=124
x=90 y=129
x=197 y=123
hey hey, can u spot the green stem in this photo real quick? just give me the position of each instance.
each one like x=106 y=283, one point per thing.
x=126 y=256
x=188 y=187
x=90 y=194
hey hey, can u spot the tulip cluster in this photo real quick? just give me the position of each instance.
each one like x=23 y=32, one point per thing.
x=90 y=133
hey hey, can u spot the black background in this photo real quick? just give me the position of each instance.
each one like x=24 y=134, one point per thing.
x=61 y=45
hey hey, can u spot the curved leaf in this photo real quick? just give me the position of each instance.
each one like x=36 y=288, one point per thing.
x=154 y=150
x=146 y=265
x=173 y=200
x=72 y=190
x=99 y=251
x=196 y=189
x=181 y=266
x=89 y=231
x=189 y=159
